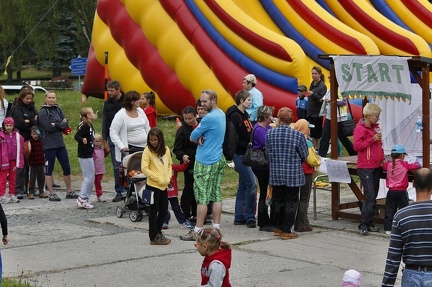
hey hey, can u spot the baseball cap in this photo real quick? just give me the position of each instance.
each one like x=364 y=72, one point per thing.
x=399 y=149
x=251 y=78
x=302 y=88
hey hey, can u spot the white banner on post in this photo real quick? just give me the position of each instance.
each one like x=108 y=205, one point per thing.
x=376 y=76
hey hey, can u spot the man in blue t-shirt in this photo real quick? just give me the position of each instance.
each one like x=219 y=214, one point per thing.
x=209 y=162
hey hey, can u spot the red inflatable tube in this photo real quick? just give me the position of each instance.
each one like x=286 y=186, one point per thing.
x=331 y=33
x=142 y=54
x=219 y=62
x=248 y=35
x=94 y=85
x=419 y=10
x=379 y=30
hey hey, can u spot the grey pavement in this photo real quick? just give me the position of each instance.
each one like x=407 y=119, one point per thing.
x=99 y=249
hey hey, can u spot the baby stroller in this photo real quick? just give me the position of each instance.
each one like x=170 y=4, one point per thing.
x=135 y=181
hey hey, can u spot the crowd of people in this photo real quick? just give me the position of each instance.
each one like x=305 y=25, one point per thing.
x=31 y=141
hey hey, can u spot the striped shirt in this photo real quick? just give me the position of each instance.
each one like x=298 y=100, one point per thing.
x=411 y=239
x=287 y=149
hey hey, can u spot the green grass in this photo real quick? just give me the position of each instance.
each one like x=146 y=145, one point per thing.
x=6 y=282
x=70 y=103
x=31 y=73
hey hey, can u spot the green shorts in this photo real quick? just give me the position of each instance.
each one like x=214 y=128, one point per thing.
x=208 y=181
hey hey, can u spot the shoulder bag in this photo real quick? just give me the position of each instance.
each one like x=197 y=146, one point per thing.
x=255 y=157
x=312 y=159
x=348 y=126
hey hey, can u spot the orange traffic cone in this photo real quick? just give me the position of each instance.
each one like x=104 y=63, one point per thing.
x=83 y=98
x=178 y=123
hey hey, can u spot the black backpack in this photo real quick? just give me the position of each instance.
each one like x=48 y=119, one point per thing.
x=230 y=141
x=10 y=108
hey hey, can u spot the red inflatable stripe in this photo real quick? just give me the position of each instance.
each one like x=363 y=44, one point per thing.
x=379 y=30
x=95 y=85
x=143 y=55
x=219 y=62
x=419 y=10
x=331 y=33
x=261 y=43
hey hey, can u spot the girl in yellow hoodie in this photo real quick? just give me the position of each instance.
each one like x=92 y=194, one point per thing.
x=156 y=164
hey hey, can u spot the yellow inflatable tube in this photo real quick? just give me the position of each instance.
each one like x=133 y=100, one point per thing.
x=411 y=19
x=160 y=30
x=296 y=68
x=385 y=48
x=255 y=10
x=318 y=39
x=128 y=75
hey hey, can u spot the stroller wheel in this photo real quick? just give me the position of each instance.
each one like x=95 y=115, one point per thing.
x=119 y=212
x=133 y=216
x=140 y=216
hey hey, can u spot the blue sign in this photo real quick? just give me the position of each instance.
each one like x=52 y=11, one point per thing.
x=78 y=66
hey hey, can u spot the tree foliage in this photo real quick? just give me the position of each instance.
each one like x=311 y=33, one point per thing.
x=45 y=33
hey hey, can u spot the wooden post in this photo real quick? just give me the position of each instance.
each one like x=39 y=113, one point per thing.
x=106 y=76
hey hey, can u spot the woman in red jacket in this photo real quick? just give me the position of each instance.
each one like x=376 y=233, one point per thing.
x=367 y=143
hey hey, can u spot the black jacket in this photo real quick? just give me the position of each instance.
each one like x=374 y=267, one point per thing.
x=314 y=104
x=85 y=131
x=23 y=112
x=243 y=127
x=52 y=135
x=110 y=108
x=183 y=145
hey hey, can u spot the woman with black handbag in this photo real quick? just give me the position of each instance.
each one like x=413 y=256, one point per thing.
x=342 y=116
x=264 y=116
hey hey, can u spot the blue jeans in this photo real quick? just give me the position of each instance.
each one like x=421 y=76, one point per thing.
x=177 y=211
x=116 y=164
x=414 y=278
x=245 y=205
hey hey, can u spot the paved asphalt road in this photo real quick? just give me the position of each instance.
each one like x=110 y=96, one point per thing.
x=57 y=244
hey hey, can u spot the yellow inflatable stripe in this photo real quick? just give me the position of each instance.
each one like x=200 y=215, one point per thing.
x=411 y=20
x=128 y=75
x=318 y=39
x=175 y=49
x=254 y=9
x=385 y=48
x=262 y=57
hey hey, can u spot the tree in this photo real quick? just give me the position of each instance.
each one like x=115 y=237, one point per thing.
x=12 y=28
x=60 y=30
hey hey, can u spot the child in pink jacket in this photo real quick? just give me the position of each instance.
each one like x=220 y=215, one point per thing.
x=368 y=145
x=11 y=158
x=397 y=183
x=99 y=155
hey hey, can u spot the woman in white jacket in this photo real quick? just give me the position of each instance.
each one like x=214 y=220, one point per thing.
x=129 y=127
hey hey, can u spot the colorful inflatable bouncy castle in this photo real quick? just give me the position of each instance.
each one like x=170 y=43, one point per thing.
x=179 y=47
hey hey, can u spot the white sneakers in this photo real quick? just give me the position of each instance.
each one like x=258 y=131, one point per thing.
x=13 y=199
x=84 y=203
x=101 y=199
x=5 y=199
